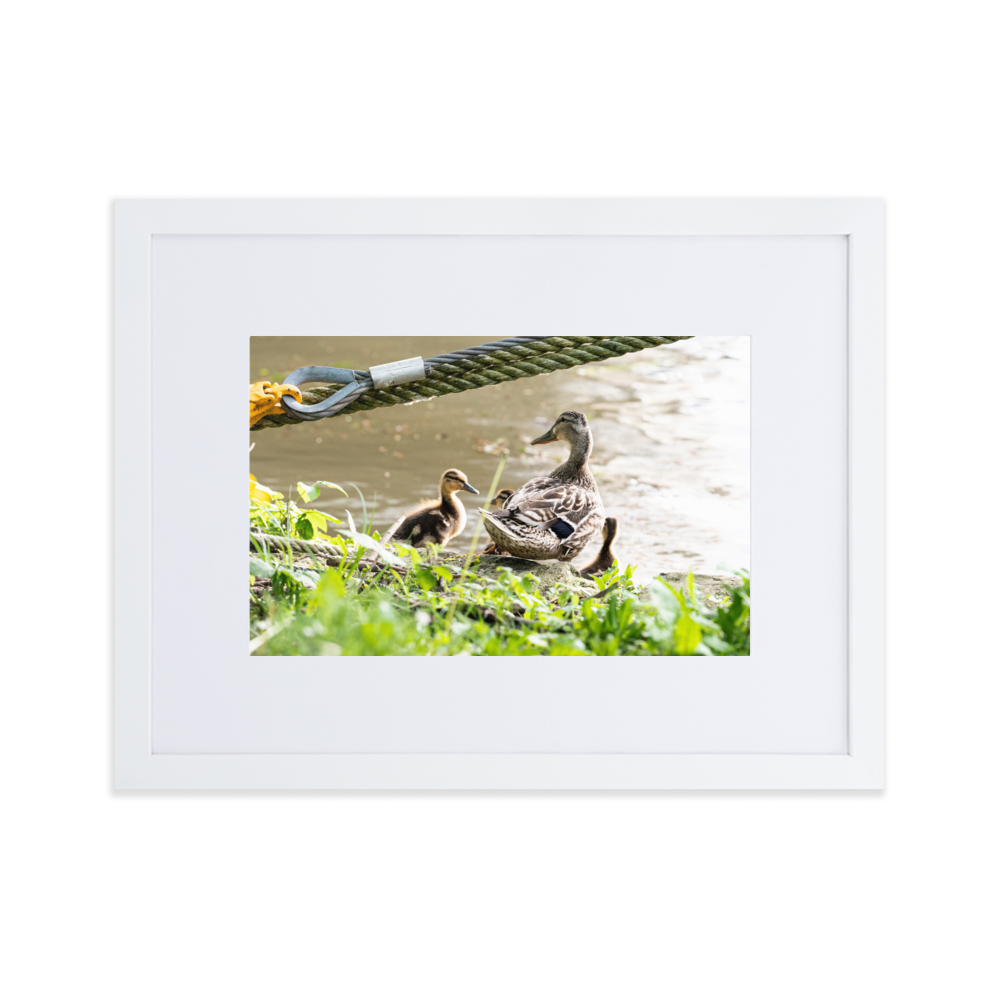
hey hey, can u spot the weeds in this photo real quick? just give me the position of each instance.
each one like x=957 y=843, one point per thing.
x=389 y=598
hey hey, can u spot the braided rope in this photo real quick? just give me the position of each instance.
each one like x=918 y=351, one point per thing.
x=278 y=544
x=476 y=367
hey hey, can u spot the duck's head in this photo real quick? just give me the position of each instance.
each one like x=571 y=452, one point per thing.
x=453 y=480
x=502 y=497
x=569 y=426
x=609 y=531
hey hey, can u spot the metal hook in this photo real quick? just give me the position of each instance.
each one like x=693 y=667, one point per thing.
x=317 y=373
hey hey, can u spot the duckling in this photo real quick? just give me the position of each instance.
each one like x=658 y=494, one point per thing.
x=605 y=558
x=500 y=500
x=438 y=520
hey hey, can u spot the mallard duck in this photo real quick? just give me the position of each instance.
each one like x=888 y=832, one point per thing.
x=438 y=520
x=500 y=500
x=605 y=558
x=553 y=516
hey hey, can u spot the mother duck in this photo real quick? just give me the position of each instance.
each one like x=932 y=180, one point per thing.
x=553 y=516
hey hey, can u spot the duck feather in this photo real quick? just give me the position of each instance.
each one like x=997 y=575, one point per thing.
x=528 y=537
x=554 y=516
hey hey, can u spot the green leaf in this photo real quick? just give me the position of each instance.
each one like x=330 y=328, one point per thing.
x=308 y=493
x=304 y=527
x=331 y=582
x=332 y=486
x=664 y=600
x=260 y=568
x=443 y=573
x=679 y=594
x=717 y=645
x=687 y=636
x=320 y=520
x=367 y=542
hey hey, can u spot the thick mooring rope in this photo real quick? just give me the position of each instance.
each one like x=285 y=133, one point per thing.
x=475 y=367
x=300 y=546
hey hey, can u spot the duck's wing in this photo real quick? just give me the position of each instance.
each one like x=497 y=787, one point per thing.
x=586 y=528
x=521 y=540
x=565 y=509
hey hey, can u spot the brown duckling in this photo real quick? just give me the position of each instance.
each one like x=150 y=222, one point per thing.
x=605 y=558
x=438 y=520
x=500 y=499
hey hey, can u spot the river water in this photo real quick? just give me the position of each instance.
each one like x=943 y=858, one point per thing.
x=671 y=442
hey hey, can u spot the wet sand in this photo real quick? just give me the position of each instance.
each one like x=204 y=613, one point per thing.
x=671 y=430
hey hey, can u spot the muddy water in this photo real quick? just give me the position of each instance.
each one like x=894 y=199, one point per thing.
x=671 y=429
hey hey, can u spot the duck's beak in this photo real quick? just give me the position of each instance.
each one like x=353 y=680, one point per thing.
x=471 y=489
x=549 y=435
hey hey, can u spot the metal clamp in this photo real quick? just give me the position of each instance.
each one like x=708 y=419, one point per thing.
x=317 y=373
x=397 y=372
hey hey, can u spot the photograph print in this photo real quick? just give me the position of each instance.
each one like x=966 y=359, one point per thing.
x=534 y=495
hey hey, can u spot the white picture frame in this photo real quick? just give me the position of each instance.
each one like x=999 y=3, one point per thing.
x=860 y=221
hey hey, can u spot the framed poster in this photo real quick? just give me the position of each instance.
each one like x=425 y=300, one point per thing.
x=782 y=298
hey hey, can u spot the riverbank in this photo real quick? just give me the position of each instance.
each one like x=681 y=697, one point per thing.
x=671 y=428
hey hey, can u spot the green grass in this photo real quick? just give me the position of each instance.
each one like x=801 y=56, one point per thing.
x=388 y=598
x=367 y=609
